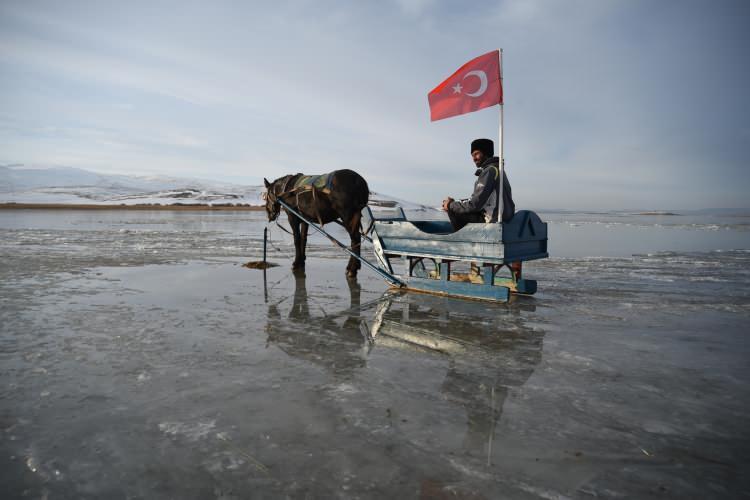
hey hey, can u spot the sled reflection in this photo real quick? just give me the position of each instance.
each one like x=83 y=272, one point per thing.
x=489 y=350
x=448 y=325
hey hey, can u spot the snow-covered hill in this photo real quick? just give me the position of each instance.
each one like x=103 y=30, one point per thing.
x=65 y=185
x=74 y=186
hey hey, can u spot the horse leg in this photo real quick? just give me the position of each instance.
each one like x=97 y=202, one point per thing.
x=353 y=226
x=294 y=223
x=303 y=227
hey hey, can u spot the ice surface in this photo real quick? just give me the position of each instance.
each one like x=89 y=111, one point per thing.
x=139 y=359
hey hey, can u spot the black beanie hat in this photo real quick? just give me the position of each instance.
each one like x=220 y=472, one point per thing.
x=486 y=146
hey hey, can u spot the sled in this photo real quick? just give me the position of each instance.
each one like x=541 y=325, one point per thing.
x=423 y=254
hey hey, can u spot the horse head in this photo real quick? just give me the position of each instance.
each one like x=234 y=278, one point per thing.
x=272 y=201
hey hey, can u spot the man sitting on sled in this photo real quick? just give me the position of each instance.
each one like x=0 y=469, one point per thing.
x=482 y=206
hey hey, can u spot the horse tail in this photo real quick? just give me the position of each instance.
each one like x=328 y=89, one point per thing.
x=363 y=198
x=352 y=195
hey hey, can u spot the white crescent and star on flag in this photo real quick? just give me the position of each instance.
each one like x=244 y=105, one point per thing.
x=458 y=88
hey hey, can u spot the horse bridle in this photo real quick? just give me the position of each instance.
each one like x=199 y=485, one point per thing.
x=273 y=196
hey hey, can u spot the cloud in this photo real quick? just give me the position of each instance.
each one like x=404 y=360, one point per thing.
x=598 y=95
x=415 y=7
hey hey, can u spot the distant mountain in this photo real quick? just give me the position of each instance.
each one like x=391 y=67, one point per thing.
x=66 y=185
x=740 y=212
x=17 y=178
x=74 y=186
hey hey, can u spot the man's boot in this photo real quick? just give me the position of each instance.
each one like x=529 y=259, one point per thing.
x=515 y=268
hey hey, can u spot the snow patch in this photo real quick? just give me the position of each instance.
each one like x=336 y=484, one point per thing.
x=193 y=432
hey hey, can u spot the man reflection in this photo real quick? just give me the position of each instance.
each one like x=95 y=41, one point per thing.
x=482 y=397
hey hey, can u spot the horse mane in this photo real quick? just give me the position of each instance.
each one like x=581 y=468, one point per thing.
x=286 y=181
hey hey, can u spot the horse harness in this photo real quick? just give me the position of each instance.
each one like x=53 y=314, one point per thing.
x=300 y=184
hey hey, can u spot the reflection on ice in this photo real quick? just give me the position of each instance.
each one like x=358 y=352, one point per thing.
x=333 y=341
x=489 y=350
x=482 y=351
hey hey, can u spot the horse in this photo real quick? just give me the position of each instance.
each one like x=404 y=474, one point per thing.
x=341 y=194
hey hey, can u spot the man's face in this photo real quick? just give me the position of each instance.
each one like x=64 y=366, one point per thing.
x=478 y=157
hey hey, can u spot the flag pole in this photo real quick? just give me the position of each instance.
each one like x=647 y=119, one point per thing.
x=500 y=203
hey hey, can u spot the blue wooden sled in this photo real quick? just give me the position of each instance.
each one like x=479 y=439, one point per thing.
x=493 y=246
x=427 y=252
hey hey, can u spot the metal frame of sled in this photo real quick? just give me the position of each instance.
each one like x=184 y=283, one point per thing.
x=493 y=246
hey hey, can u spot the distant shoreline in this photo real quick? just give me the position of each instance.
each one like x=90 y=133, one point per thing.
x=84 y=206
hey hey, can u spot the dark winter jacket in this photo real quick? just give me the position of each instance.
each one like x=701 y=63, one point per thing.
x=484 y=197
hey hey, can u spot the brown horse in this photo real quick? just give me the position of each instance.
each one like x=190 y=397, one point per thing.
x=340 y=195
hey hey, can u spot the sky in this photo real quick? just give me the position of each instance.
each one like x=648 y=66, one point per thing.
x=608 y=104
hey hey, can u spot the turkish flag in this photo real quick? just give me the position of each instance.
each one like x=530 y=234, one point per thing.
x=476 y=85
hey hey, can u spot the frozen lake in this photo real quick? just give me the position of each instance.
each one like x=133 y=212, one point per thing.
x=140 y=360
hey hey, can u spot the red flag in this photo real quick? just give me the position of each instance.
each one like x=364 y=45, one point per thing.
x=476 y=85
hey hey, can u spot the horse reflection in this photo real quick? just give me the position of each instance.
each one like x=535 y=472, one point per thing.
x=333 y=341
x=490 y=350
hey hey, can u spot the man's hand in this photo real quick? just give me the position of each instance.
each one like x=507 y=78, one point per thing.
x=446 y=203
